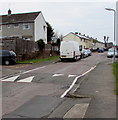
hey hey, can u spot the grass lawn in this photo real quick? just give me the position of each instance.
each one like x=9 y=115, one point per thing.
x=115 y=72
x=39 y=60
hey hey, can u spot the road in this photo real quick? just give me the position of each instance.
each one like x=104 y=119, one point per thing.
x=41 y=90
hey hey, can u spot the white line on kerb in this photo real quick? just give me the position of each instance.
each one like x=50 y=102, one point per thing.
x=75 y=80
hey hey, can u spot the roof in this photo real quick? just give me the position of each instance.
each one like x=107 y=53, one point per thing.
x=84 y=37
x=19 y=18
x=80 y=36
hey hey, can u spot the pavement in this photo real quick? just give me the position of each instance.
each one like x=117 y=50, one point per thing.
x=100 y=85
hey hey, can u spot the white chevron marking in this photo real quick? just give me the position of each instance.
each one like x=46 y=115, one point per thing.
x=72 y=75
x=29 y=79
x=55 y=75
x=11 y=79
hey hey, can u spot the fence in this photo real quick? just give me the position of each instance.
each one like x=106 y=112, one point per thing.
x=25 y=49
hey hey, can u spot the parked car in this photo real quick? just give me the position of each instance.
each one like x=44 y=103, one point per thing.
x=84 y=53
x=111 y=52
x=89 y=52
x=7 y=57
x=100 y=50
x=69 y=50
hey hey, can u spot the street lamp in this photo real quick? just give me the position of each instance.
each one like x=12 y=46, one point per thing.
x=110 y=9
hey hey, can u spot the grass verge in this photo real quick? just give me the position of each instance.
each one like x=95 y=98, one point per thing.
x=38 y=60
x=115 y=72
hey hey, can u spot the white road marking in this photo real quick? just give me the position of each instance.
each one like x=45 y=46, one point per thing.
x=11 y=79
x=77 y=111
x=75 y=80
x=72 y=75
x=29 y=79
x=33 y=69
x=18 y=74
x=55 y=75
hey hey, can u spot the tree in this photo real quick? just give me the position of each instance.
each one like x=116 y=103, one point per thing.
x=106 y=40
x=50 y=32
x=41 y=44
x=95 y=41
x=58 y=41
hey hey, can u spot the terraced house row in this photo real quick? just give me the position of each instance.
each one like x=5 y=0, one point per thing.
x=84 y=41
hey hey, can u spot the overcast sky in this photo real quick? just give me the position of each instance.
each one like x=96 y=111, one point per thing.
x=88 y=18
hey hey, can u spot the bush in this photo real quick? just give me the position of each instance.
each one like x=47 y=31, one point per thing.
x=41 y=44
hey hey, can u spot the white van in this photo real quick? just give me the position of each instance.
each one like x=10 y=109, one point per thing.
x=69 y=50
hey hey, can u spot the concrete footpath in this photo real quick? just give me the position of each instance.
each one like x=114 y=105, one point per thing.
x=100 y=85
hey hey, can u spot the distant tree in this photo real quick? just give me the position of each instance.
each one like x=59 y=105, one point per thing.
x=50 y=32
x=106 y=39
x=41 y=44
x=94 y=40
x=58 y=41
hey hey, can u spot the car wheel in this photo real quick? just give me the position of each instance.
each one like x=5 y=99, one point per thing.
x=7 y=62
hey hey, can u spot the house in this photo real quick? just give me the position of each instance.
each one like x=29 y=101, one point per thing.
x=97 y=45
x=28 y=26
x=81 y=39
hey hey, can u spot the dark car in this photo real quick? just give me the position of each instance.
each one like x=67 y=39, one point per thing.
x=7 y=57
x=100 y=50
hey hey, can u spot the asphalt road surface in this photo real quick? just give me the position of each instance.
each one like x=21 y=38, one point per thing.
x=41 y=90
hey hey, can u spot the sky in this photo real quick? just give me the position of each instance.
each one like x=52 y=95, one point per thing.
x=85 y=17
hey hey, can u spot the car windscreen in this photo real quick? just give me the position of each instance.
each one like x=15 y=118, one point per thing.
x=112 y=50
x=12 y=53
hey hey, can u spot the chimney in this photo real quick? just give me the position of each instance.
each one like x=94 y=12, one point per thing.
x=9 y=12
x=76 y=33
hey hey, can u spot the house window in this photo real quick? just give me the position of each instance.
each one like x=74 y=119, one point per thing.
x=8 y=26
x=16 y=25
x=44 y=28
x=26 y=26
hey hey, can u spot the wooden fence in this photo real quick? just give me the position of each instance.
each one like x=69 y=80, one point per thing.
x=24 y=49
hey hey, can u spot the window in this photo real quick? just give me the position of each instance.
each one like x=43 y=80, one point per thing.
x=8 y=26
x=26 y=38
x=44 y=27
x=26 y=26
x=16 y=25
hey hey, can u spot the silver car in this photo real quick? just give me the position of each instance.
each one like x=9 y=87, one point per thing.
x=84 y=53
x=89 y=52
x=112 y=52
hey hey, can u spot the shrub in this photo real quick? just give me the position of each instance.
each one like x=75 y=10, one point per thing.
x=41 y=44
